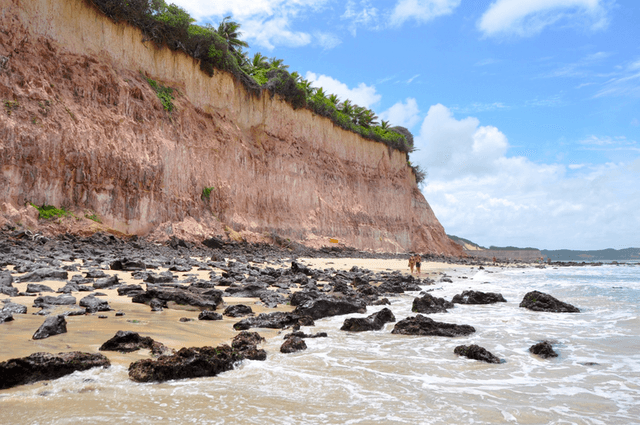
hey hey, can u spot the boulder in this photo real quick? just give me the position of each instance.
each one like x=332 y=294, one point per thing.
x=300 y=334
x=539 y=301
x=425 y=326
x=293 y=344
x=477 y=297
x=128 y=265
x=208 y=299
x=543 y=349
x=95 y=274
x=213 y=243
x=48 y=300
x=53 y=325
x=209 y=315
x=34 y=288
x=163 y=277
x=247 y=344
x=9 y=290
x=476 y=352
x=238 y=310
x=6 y=316
x=107 y=282
x=276 y=320
x=156 y=304
x=130 y=290
x=44 y=274
x=14 y=308
x=6 y=280
x=187 y=363
x=374 y=322
x=42 y=366
x=330 y=306
x=429 y=304
x=93 y=304
x=128 y=341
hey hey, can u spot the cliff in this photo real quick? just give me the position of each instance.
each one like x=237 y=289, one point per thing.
x=82 y=128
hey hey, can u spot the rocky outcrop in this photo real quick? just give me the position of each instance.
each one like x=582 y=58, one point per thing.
x=128 y=341
x=208 y=299
x=86 y=129
x=53 y=325
x=247 y=344
x=42 y=366
x=293 y=344
x=276 y=320
x=425 y=326
x=330 y=306
x=475 y=352
x=543 y=349
x=477 y=297
x=187 y=363
x=539 y=301
x=374 y=322
x=428 y=304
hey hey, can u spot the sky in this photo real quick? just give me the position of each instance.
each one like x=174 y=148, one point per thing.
x=525 y=113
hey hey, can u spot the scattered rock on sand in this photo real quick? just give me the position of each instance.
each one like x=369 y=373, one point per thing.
x=539 y=301
x=44 y=274
x=543 y=349
x=374 y=322
x=187 y=363
x=128 y=341
x=53 y=325
x=14 y=308
x=41 y=366
x=5 y=316
x=34 y=288
x=48 y=300
x=422 y=325
x=293 y=344
x=93 y=304
x=238 y=310
x=275 y=320
x=330 y=306
x=476 y=352
x=209 y=315
x=247 y=344
x=477 y=297
x=429 y=304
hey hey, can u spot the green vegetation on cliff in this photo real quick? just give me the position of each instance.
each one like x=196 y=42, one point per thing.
x=221 y=48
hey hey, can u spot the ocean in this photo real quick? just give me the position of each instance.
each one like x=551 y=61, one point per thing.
x=377 y=377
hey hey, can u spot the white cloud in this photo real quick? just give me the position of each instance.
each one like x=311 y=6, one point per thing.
x=362 y=94
x=421 y=10
x=403 y=114
x=480 y=193
x=266 y=23
x=327 y=40
x=362 y=15
x=528 y=17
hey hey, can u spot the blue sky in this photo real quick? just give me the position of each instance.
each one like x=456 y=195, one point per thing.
x=525 y=112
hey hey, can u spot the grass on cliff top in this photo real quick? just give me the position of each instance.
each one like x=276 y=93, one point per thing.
x=47 y=212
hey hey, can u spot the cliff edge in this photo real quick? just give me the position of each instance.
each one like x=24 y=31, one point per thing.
x=81 y=127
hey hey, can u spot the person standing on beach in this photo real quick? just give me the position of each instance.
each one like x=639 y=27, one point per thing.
x=412 y=263
x=418 y=261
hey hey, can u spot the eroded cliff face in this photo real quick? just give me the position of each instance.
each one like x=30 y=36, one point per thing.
x=81 y=127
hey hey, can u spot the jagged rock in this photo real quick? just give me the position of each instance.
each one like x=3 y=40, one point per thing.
x=381 y=301
x=292 y=345
x=156 y=304
x=128 y=265
x=42 y=366
x=106 y=282
x=422 y=325
x=429 y=304
x=6 y=280
x=163 y=277
x=213 y=243
x=44 y=274
x=187 y=363
x=539 y=301
x=477 y=297
x=14 y=308
x=209 y=315
x=95 y=274
x=276 y=320
x=300 y=334
x=330 y=306
x=247 y=344
x=476 y=352
x=271 y=299
x=56 y=310
x=238 y=310
x=34 y=288
x=48 y=300
x=9 y=290
x=543 y=349
x=128 y=341
x=53 y=325
x=186 y=319
x=130 y=290
x=208 y=299
x=93 y=304
x=5 y=316
x=297 y=268
x=374 y=322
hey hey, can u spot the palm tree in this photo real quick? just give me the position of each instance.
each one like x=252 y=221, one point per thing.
x=259 y=61
x=306 y=86
x=296 y=77
x=334 y=99
x=277 y=63
x=320 y=93
x=384 y=125
x=346 y=107
x=229 y=31
x=368 y=118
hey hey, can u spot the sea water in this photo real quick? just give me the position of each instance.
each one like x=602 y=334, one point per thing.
x=377 y=377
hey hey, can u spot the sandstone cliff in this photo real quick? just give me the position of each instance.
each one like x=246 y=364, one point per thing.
x=81 y=127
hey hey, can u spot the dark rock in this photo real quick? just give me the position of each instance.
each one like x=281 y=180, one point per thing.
x=128 y=265
x=271 y=299
x=208 y=299
x=238 y=310
x=44 y=274
x=130 y=290
x=186 y=319
x=422 y=325
x=247 y=344
x=180 y=268
x=43 y=366
x=163 y=277
x=381 y=301
x=53 y=325
x=300 y=334
x=128 y=341
x=276 y=320
x=297 y=268
x=48 y=300
x=5 y=316
x=476 y=352
x=330 y=306
x=6 y=280
x=157 y=305
x=34 y=288
x=374 y=322
x=119 y=313
x=102 y=316
x=543 y=349
x=209 y=315
x=477 y=297
x=14 y=308
x=539 y=301
x=95 y=274
x=56 y=310
x=187 y=363
x=93 y=304
x=176 y=243
x=429 y=304
x=213 y=243
x=69 y=288
x=9 y=290
x=107 y=282
x=292 y=345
